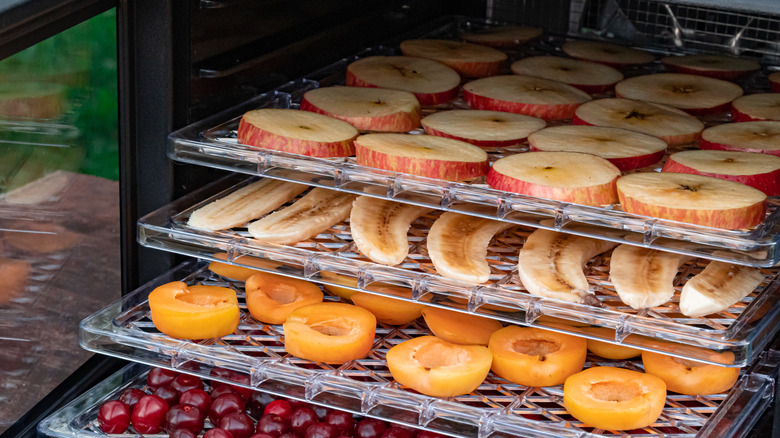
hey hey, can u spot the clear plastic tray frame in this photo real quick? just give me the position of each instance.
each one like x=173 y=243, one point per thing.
x=744 y=329
x=498 y=408
x=212 y=142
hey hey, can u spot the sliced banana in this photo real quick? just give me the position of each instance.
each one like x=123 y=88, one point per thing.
x=550 y=264
x=457 y=246
x=717 y=287
x=644 y=277
x=245 y=204
x=319 y=210
x=379 y=228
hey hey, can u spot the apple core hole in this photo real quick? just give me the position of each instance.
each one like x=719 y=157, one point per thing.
x=615 y=391
x=331 y=328
x=282 y=293
x=535 y=347
x=437 y=354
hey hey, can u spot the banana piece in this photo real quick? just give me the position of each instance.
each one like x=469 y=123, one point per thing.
x=245 y=204
x=314 y=213
x=550 y=264
x=644 y=277
x=379 y=228
x=457 y=246
x=717 y=287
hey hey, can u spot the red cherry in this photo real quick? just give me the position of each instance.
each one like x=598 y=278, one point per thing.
x=287 y=435
x=198 y=398
x=265 y=435
x=183 y=433
x=370 y=428
x=185 y=382
x=396 y=432
x=343 y=421
x=321 y=411
x=114 y=417
x=238 y=423
x=169 y=394
x=221 y=388
x=297 y=404
x=428 y=434
x=217 y=433
x=234 y=376
x=301 y=419
x=281 y=408
x=149 y=414
x=223 y=405
x=159 y=377
x=130 y=397
x=184 y=417
x=321 y=430
x=257 y=402
x=271 y=424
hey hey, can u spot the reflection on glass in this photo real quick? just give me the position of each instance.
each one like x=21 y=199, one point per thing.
x=59 y=214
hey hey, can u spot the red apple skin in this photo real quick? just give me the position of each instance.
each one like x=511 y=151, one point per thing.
x=768 y=183
x=775 y=86
x=425 y=99
x=705 y=144
x=396 y=122
x=627 y=163
x=670 y=140
x=595 y=89
x=251 y=135
x=739 y=116
x=476 y=69
x=696 y=111
x=438 y=169
x=725 y=75
x=602 y=194
x=480 y=143
x=542 y=111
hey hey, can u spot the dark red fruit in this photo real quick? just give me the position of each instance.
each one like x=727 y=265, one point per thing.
x=238 y=423
x=281 y=408
x=396 y=432
x=217 y=433
x=321 y=430
x=297 y=404
x=286 y=435
x=183 y=433
x=149 y=414
x=223 y=405
x=343 y=421
x=158 y=377
x=428 y=434
x=130 y=397
x=265 y=435
x=257 y=402
x=185 y=382
x=114 y=417
x=370 y=428
x=271 y=424
x=169 y=394
x=198 y=398
x=221 y=388
x=234 y=376
x=301 y=419
x=184 y=417
x=321 y=411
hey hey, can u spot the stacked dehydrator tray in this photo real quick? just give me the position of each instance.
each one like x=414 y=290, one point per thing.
x=365 y=387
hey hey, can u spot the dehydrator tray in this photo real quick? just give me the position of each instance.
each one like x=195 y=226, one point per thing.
x=498 y=408
x=744 y=329
x=212 y=142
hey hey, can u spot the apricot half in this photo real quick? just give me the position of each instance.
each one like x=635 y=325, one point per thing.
x=689 y=377
x=536 y=357
x=605 y=349
x=240 y=273
x=270 y=298
x=389 y=310
x=329 y=332
x=460 y=328
x=341 y=292
x=438 y=368
x=614 y=398
x=194 y=312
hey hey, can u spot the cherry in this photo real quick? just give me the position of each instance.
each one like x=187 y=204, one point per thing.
x=169 y=394
x=370 y=428
x=149 y=414
x=321 y=411
x=130 y=397
x=428 y=434
x=185 y=382
x=159 y=377
x=297 y=404
x=301 y=419
x=114 y=417
x=343 y=421
x=238 y=423
x=183 y=433
x=257 y=402
x=281 y=408
x=184 y=417
x=265 y=435
x=321 y=430
x=234 y=376
x=217 y=433
x=271 y=424
x=223 y=405
x=396 y=432
x=287 y=435
x=198 y=398
x=221 y=388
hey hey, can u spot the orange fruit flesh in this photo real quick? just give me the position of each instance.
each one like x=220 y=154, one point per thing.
x=194 y=312
x=341 y=292
x=271 y=298
x=459 y=328
x=605 y=349
x=689 y=377
x=389 y=310
x=240 y=273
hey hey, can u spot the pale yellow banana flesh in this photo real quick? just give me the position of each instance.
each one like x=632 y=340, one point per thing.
x=379 y=228
x=245 y=204
x=717 y=288
x=457 y=246
x=309 y=216
x=550 y=264
x=644 y=277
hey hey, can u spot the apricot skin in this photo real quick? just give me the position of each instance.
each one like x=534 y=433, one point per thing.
x=688 y=377
x=270 y=298
x=240 y=273
x=460 y=328
x=605 y=349
x=388 y=310
x=341 y=292
x=194 y=312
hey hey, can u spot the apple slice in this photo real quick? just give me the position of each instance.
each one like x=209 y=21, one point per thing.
x=430 y=81
x=756 y=107
x=563 y=176
x=761 y=137
x=774 y=81
x=694 y=94
x=297 y=132
x=606 y=53
x=424 y=155
x=669 y=124
x=482 y=128
x=367 y=109
x=504 y=37
x=625 y=149
x=470 y=60
x=694 y=199
x=713 y=66
x=521 y=94
x=755 y=170
x=590 y=77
